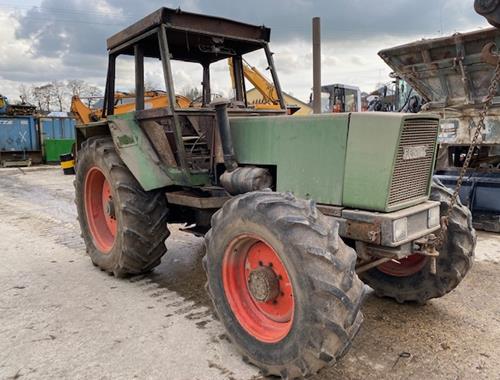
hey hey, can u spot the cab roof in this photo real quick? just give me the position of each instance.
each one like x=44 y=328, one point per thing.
x=191 y=37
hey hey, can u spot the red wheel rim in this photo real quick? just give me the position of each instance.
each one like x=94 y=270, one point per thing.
x=268 y=321
x=404 y=267
x=99 y=208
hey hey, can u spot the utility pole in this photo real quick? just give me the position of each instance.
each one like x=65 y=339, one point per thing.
x=316 y=25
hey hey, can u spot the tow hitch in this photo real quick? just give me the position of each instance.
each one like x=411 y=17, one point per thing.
x=427 y=247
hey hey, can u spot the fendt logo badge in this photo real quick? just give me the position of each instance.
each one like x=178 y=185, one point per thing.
x=414 y=152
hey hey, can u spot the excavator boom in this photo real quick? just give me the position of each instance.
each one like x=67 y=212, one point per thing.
x=152 y=99
x=259 y=81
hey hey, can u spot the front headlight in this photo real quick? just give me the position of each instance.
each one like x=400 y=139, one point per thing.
x=400 y=229
x=433 y=217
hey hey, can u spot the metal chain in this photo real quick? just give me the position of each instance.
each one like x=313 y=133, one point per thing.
x=492 y=90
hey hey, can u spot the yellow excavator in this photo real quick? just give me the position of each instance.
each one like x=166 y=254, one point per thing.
x=270 y=99
x=156 y=99
x=124 y=102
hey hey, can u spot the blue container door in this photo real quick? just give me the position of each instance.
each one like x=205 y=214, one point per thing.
x=18 y=134
x=58 y=128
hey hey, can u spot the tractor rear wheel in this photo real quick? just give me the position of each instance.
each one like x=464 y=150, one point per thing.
x=123 y=226
x=410 y=279
x=283 y=283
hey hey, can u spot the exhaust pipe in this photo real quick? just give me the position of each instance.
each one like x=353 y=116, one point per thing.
x=237 y=180
x=225 y=133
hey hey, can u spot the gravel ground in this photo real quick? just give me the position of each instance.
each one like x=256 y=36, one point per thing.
x=62 y=318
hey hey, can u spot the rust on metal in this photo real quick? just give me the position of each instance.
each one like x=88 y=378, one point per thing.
x=372 y=264
x=489 y=54
x=446 y=71
x=263 y=284
x=156 y=135
x=427 y=247
x=364 y=231
x=184 y=198
x=191 y=34
x=330 y=210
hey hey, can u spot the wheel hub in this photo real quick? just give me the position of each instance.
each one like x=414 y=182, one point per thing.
x=110 y=208
x=263 y=284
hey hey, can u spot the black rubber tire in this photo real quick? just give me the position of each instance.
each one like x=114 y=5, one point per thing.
x=455 y=258
x=141 y=216
x=327 y=292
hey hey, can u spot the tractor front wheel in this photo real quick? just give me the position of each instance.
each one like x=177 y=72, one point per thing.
x=283 y=283
x=410 y=279
x=124 y=227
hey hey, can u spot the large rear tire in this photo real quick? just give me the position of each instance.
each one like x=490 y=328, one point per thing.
x=123 y=226
x=411 y=280
x=283 y=283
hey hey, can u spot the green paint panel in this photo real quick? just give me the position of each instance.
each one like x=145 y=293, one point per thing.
x=371 y=151
x=53 y=148
x=372 y=148
x=309 y=151
x=136 y=151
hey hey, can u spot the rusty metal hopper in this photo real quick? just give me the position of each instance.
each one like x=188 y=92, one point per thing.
x=447 y=71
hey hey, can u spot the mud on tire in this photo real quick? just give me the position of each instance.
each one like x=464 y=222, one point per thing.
x=141 y=216
x=326 y=290
x=455 y=259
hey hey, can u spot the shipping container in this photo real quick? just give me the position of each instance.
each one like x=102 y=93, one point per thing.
x=58 y=136
x=18 y=134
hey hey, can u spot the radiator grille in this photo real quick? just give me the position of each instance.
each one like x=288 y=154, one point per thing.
x=414 y=158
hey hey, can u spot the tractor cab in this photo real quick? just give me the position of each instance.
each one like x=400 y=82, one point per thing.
x=182 y=141
x=173 y=35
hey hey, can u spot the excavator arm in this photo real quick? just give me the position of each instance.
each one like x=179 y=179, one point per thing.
x=153 y=99
x=259 y=81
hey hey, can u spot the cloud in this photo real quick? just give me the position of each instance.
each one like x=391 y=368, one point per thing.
x=65 y=39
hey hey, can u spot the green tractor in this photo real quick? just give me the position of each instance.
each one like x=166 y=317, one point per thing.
x=298 y=213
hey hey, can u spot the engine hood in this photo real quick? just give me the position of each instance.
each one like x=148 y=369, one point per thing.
x=446 y=71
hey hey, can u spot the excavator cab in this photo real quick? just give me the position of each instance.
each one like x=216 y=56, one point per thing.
x=340 y=98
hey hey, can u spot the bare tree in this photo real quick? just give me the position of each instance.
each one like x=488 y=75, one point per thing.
x=42 y=96
x=77 y=87
x=59 y=94
x=26 y=94
x=84 y=90
x=56 y=95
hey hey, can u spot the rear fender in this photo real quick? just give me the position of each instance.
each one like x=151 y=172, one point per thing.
x=133 y=147
x=137 y=152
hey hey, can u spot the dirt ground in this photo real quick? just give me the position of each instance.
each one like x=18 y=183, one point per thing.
x=62 y=318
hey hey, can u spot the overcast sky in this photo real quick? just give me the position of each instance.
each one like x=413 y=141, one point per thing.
x=45 y=40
